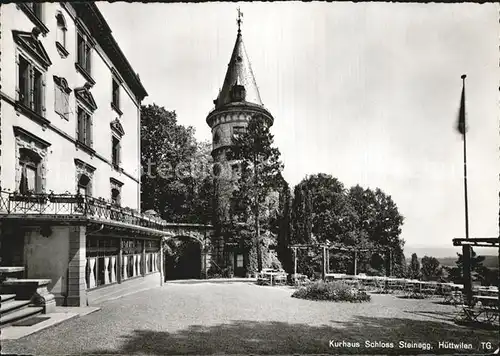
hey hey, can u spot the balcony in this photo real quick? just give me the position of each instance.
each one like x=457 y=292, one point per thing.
x=73 y=206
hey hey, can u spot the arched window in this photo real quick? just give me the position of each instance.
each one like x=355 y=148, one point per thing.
x=61 y=30
x=31 y=180
x=84 y=185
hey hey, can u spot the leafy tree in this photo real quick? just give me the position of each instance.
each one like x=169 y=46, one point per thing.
x=301 y=215
x=357 y=217
x=431 y=269
x=260 y=172
x=172 y=184
x=284 y=230
x=476 y=266
x=414 y=268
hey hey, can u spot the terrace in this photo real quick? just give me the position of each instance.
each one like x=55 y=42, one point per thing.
x=73 y=207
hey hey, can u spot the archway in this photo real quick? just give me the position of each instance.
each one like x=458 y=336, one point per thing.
x=182 y=258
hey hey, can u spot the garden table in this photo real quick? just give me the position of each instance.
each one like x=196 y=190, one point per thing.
x=484 y=309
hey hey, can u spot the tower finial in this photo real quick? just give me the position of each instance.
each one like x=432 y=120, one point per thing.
x=239 y=20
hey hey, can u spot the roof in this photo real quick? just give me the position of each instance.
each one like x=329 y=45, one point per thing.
x=239 y=72
x=100 y=30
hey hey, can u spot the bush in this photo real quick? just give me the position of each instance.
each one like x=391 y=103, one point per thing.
x=333 y=291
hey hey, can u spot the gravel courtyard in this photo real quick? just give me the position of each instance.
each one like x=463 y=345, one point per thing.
x=242 y=318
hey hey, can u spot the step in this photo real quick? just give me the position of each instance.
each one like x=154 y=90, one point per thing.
x=12 y=305
x=20 y=314
x=6 y=297
x=24 y=281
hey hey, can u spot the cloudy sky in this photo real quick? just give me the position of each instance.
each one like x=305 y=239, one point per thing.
x=366 y=92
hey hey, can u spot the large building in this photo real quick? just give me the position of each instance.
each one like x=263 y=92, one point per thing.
x=237 y=103
x=70 y=155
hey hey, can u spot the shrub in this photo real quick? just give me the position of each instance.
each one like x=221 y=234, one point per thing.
x=333 y=291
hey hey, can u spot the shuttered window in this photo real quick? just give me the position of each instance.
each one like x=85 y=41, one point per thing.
x=84 y=127
x=31 y=86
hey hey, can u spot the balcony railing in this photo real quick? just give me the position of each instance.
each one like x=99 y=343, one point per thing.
x=75 y=205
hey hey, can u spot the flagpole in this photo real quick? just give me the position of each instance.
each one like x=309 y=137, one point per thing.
x=465 y=174
x=466 y=249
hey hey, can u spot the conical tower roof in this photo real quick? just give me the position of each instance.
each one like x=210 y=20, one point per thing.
x=239 y=72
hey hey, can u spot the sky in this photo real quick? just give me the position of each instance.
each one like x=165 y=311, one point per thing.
x=366 y=92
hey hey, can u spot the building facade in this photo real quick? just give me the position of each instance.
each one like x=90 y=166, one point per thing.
x=238 y=102
x=70 y=154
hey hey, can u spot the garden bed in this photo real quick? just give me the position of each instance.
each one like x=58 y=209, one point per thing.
x=332 y=291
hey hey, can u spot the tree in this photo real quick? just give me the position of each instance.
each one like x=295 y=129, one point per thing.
x=284 y=230
x=414 y=268
x=260 y=172
x=431 y=269
x=476 y=267
x=301 y=215
x=172 y=182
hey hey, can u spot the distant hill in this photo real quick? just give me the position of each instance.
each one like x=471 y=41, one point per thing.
x=489 y=261
x=444 y=251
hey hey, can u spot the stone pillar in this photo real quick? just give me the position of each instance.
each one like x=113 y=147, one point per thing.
x=119 y=263
x=161 y=263
x=77 y=291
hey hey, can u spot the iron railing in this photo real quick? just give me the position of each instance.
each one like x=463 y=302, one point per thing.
x=75 y=205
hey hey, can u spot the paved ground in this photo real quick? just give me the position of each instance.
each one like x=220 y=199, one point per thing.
x=242 y=318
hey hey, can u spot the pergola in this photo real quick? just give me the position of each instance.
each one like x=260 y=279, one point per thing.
x=466 y=245
x=326 y=247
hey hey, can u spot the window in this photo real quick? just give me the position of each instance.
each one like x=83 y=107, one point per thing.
x=84 y=53
x=29 y=163
x=115 y=196
x=61 y=35
x=84 y=177
x=36 y=8
x=31 y=84
x=115 y=142
x=34 y=11
x=238 y=130
x=84 y=185
x=84 y=127
x=61 y=97
x=116 y=95
x=239 y=261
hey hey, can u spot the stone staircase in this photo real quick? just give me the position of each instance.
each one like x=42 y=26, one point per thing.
x=23 y=298
x=13 y=310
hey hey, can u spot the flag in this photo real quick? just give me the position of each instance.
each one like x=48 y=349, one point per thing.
x=461 y=127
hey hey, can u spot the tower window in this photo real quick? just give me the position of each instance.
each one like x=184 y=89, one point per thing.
x=238 y=131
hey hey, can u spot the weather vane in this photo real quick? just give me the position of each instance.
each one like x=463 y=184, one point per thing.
x=239 y=20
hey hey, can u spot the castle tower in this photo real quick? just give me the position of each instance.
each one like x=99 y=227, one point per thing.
x=238 y=102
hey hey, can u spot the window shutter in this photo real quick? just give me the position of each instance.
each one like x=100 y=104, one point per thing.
x=57 y=99
x=119 y=153
x=42 y=96
x=90 y=131
x=78 y=124
x=65 y=100
x=31 y=86
x=18 y=77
